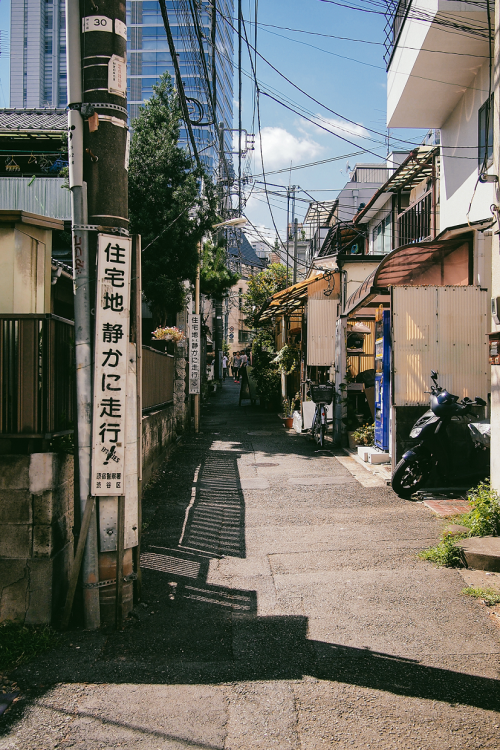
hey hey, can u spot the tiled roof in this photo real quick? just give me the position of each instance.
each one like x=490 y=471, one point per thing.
x=33 y=119
x=248 y=255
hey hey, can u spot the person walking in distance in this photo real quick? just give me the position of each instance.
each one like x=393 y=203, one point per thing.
x=244 y=360
x=236 y=367
x=224 y=367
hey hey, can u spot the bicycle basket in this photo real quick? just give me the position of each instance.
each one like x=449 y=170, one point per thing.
x=322 y=394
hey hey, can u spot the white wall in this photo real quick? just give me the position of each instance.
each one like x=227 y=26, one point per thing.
x=459 y=166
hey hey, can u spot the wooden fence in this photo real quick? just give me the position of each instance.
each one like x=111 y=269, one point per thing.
x=158 y=372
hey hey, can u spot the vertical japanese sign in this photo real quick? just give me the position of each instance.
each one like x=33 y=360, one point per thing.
x=194 y=354
x=112 y=321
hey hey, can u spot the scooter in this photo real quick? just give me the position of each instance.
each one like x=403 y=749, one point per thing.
x=434 y=449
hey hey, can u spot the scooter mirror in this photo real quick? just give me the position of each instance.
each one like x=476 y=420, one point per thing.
x=480 y=401
x=434 y=375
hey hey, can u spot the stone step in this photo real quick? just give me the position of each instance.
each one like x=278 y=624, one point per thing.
x=482 y=553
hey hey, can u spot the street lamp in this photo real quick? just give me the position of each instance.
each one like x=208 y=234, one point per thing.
x=238 y=222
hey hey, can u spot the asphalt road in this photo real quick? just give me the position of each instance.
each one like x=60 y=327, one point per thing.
x=283 y=607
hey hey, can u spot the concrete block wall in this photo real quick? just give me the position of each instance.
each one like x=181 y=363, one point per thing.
x=36 y=534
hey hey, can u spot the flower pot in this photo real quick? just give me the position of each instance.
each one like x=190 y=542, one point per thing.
x=289 y=422
x=352 y=443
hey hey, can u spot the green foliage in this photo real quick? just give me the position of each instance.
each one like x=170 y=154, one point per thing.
x=489 y=596
x=484 y=517
x=287 y=407
x=364 y=435
x=263 y=285
x=287 y=359
x=215 y=277
x=165 y=204
x=20 y=643
x=445 y=554
x=265 y=374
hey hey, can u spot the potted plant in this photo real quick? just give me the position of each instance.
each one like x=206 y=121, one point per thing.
x=364 y=435
x=287 y=408
x=169 y=333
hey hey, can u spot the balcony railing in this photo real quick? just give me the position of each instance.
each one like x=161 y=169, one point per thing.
x=37 y=376
x=394 y=19
x=415 y=222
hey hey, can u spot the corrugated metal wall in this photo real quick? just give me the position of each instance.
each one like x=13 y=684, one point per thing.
x=321 y=322
x=359 y=363
x=443 y=329
x=44 y=196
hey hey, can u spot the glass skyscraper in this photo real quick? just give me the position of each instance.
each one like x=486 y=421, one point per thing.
x=38 y=54
x=149 y=57
x=38 y=59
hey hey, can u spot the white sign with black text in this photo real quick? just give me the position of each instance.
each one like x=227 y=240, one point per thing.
x=112 y=321
x=194 y=353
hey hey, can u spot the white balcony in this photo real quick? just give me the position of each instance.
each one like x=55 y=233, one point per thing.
x=426 y=77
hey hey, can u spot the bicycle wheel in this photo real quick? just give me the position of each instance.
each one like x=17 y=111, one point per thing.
x=321 y=439
x=314 y=427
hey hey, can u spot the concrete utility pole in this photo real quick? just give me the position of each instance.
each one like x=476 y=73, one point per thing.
x=97 y=86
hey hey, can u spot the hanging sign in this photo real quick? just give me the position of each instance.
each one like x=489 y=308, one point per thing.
x=112 y=322
x=117 y=76
x=194 y=353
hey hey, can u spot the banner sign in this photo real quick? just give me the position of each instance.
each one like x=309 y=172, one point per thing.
x=194 y=353
x=112 y=322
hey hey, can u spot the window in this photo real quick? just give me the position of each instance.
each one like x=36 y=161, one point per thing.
x=381 y=236
x=485 y=134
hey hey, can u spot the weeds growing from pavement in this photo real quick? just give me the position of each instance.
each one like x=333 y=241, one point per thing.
x=484 y=517
x=482 y=520
x=445 y=553
x=489 y=596
x=20 y=643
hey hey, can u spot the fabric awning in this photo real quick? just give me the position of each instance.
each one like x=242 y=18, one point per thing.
x=288 y=300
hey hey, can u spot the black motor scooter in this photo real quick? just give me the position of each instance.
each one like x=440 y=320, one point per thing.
x=433 y=451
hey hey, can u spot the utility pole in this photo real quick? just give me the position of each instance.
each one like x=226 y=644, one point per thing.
x=82 y=274
x=98 y=114
x=295 y=240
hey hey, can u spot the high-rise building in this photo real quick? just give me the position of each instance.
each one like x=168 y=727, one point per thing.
x=38 y=54
x=38 y=59
x=149 y=57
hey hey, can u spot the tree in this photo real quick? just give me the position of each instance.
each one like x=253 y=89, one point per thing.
x=165 y=203
x=215 y=277
x=263 y=285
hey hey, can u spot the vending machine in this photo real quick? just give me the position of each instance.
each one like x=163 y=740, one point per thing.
x=382 y=379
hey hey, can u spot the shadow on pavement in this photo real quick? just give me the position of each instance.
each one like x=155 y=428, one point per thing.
x=194 y=632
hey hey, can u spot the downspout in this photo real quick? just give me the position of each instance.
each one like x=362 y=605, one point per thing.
x=81 y=281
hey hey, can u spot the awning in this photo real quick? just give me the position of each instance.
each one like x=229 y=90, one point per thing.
x=397 y=268
x=414 y=170
x=288 y=300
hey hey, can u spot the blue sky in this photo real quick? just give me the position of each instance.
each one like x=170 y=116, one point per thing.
x=345 y=76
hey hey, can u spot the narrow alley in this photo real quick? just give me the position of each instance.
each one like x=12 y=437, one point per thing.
x=283 y=607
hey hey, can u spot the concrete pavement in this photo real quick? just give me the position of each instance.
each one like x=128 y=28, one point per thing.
x=286 y=608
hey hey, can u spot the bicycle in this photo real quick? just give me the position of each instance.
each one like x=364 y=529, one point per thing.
x=322 y=395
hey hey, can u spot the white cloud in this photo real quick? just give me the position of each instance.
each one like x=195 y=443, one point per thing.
x=341 y=127
x=279 y=148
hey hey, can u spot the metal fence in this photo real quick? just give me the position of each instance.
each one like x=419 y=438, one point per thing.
x=158 y=372
x=37 y=376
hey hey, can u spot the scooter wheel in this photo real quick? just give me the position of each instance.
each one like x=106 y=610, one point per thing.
x=409 y=475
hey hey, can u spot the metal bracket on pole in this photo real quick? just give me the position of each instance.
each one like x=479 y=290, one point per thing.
x=87 y=108
x=100 y=228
